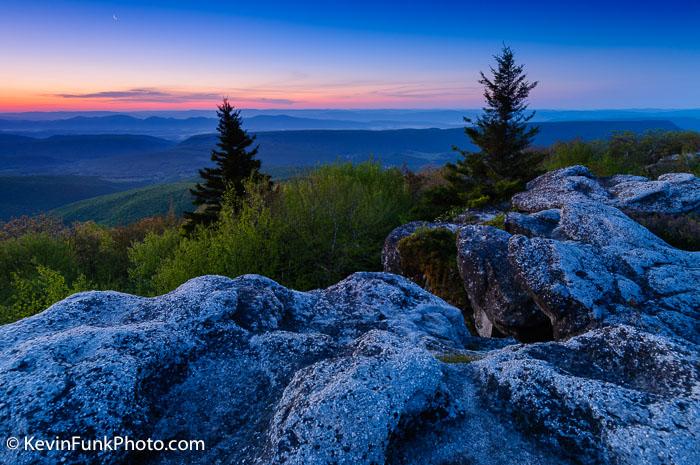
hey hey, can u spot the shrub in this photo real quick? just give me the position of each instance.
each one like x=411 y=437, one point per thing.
x=336 y=220
x=33 y=294
x=429 y=258
x=146 y=257
x=310 y=232
x=681 y=231
x=21 y=256
x=629 y=153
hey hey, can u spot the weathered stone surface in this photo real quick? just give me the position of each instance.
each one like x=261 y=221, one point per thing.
x=500 y=304
x=557 y=188
x=539 y=224
x=607 y=269
x=479 y=215
x=613 y=395
x=391 y=258
x=371 y=370
x=670 y=193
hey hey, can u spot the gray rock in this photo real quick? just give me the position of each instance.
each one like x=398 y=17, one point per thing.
x=500 y=304
x=614 y=395
x=478 y=215
x=557 y=188
x=371 y=370
x=670 y=193
x=539 y=224
x=607 y=269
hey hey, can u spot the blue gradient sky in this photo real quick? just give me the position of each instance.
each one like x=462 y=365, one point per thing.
x=64 y=54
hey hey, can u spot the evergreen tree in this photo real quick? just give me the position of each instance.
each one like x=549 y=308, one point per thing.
x=503 y=164
x=235 y=164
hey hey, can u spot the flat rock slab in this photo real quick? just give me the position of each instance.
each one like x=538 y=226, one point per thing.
x=670 y=193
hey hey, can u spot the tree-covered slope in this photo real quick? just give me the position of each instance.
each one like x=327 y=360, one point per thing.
x=126 y=207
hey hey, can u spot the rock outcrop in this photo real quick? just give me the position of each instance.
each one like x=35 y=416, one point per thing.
x=582 y=262
x=670 y=193
x=375 y=370
x=501 y=306
x=371 y=370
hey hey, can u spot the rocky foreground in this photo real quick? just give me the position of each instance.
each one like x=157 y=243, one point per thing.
x=376 y=370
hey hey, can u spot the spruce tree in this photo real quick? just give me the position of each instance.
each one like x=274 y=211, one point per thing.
x=503 y=163
x=235 y=164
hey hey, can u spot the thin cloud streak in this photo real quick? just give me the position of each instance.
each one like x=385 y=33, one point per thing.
x=154 y=95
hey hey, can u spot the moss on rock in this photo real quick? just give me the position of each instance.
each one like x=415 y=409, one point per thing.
x=429 y=258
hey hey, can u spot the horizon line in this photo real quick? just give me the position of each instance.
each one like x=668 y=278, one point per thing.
x=348 y=109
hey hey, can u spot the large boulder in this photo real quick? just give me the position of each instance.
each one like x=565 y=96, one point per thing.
x=579 y=260
x=670 y=193
x=501 y=306
x=607 y=269
x=371 y=370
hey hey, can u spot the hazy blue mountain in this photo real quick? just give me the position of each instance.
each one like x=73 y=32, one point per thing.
x=180 y=125
x=26 y=155
x=60 y=170
x=148 y=159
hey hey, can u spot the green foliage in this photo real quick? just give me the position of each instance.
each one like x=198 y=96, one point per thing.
x=41 y=263
x=128 y=207
x=649 y=154
x=337 y=219
x=235 y=164
x=310 y=232
x=499 y=221
x=146 y=257
x=33 y=294
x=681 y=231
x=28 y=267
x=504 y=162
x=429 y=258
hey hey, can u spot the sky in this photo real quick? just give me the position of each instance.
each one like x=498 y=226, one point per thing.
x=182 y=54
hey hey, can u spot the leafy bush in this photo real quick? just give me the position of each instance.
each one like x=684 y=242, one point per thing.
x=310 y=232
x=429 y=258
x=681 y=231
x=646 y=155
x=32 y=295
x=42 y=261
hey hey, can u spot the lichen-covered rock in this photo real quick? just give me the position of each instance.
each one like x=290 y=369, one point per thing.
x=608 y=269
x=500 y=304
x=539 y=224
x=670 y=193
x=371 y=370
x=557 y=188
x=614 y=395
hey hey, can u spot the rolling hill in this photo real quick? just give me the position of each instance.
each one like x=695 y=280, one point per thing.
x=126 y=207
x=27 y=195
x=132 y=205
x=152 y=160
x=47 y=173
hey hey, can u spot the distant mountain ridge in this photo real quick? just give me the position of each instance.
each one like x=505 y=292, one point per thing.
x=146 y=159
x=41 y=174
x=179 y=128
